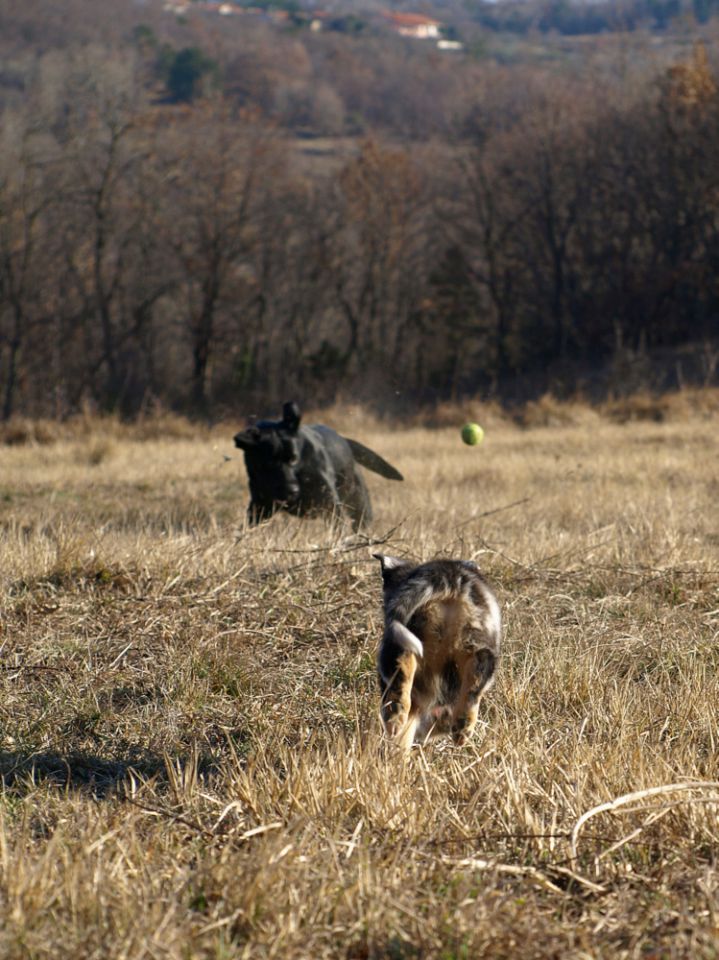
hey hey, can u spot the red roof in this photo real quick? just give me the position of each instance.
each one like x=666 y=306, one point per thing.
x=410 y=19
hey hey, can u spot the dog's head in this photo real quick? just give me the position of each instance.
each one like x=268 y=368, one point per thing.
x=272 y=452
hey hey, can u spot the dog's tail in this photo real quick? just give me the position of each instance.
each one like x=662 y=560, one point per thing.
x=372 y=461
x=404 y=637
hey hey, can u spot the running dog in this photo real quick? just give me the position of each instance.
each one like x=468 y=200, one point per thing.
x=307 y=470
x=440 y=648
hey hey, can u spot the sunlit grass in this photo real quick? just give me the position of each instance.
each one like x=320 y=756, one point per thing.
x=189 y=732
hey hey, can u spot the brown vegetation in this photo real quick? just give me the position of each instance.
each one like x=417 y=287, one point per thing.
x=189 y=733
x=480 y=228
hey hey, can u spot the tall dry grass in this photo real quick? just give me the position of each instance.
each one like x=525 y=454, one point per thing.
x=189 y=736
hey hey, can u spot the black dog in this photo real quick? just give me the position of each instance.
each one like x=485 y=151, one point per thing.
x=307 y=470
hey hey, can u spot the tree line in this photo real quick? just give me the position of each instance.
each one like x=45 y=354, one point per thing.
x=191 y=254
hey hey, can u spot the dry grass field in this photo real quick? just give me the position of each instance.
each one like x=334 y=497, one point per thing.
x=190 y=747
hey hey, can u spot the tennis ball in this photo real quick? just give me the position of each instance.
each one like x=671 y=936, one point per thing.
x=472 y=434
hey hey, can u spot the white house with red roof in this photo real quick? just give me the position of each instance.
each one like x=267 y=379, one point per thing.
x=416 y=25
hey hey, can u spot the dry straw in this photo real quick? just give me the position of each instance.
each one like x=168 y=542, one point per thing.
x=190 y=750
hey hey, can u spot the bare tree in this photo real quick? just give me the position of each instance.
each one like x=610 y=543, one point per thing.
x=23 y=265
x=221 y=168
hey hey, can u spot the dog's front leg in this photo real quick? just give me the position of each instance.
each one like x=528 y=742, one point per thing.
x=477 y=674
x=332 y=501
x=257 y=513
x=399 y=718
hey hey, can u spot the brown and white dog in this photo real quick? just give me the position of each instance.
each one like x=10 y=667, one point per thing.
x=440 y=648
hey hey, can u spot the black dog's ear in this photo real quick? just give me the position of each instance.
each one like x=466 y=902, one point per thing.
x=247 y=439
x=291 y=416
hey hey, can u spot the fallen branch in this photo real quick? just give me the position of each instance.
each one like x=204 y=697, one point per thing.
x=360 y=541
x=531 y=873
x=612 y=805
x=489 y=513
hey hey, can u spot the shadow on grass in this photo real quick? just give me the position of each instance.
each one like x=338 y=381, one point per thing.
x=100 y=777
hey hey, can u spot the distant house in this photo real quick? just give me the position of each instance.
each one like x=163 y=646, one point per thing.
x=213 y=6
x=318 y=20
x=181 y=7
x=415 y=25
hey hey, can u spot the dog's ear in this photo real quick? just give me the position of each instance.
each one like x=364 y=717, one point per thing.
x=291 y=417
x=389 y=564
x=247 y=439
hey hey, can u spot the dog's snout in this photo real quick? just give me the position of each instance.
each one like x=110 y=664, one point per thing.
x=292 y=492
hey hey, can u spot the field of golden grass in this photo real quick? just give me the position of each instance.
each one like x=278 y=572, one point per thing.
x=190 y=749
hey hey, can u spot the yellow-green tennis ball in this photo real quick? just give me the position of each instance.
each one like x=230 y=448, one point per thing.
x=472 y=434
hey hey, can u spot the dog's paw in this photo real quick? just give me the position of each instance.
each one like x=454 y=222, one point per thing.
x=461 y=731
x=395 y=725
x=394 y=718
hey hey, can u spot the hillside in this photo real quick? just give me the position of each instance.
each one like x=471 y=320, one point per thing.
x=211 y=213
